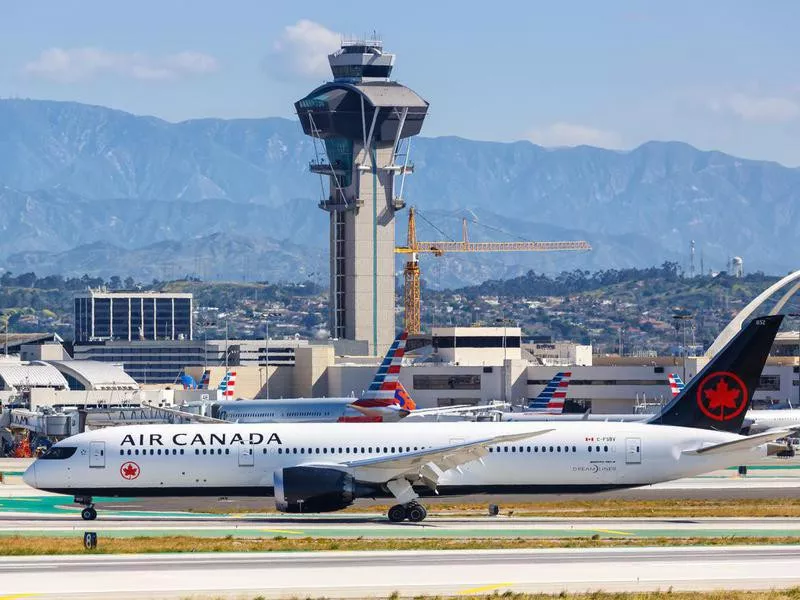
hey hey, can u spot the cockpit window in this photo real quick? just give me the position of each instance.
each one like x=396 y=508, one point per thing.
x=59 y=452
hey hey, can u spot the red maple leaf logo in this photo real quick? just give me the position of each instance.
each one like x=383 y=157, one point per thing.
x=722 y=396
x=130 y=470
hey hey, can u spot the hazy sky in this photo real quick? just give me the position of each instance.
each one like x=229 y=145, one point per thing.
x=717 y=74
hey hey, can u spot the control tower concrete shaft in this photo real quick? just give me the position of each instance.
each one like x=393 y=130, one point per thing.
x=361 y=117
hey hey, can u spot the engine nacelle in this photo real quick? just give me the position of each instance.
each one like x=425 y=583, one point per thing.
x=313 y=489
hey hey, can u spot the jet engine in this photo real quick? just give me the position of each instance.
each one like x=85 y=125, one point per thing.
x=315 y=489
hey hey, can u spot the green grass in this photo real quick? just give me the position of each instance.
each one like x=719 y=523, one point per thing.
x=31 y=546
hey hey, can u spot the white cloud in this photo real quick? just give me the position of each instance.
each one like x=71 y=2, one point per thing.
x=571 y=134
x=760 y=109
x=68 y=65
x=302 y=51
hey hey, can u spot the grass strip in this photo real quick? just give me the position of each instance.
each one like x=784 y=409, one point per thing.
x=606 y=507
x=32 y=546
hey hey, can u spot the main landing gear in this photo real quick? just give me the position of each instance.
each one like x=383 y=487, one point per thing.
x=413 y=511
x=88 y=513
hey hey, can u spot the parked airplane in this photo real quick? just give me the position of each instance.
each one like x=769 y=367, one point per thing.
x=386 y=400
x=326 y=467
x=557 y=412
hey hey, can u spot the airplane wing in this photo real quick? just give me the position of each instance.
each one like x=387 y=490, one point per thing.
x=743 y=443
x=428 y=464
x=458 y=409
x=186 y=415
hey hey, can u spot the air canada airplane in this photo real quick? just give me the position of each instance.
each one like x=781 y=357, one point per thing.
x=326 y=467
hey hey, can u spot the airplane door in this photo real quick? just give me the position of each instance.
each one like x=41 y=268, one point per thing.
x=246 y=456
x=97 y=455
x=633 y=451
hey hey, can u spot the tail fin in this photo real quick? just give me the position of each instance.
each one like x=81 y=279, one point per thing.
x=551 y=399
x=718 y=397
x=204 y=380
x=382 y=390
x=228 y=385
x=676 y=384
x=187 y=381
x=403 y=397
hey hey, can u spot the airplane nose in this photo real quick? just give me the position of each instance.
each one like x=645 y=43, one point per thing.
x=29 y=476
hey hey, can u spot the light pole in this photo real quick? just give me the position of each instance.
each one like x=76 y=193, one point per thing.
x=683 y=317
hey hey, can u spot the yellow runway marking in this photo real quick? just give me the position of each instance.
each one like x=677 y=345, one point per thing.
x=483 y=588
x=16 y=596
x=289 y=531
x=613 y=531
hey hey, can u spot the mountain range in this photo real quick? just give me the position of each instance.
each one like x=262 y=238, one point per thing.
x=88 y=189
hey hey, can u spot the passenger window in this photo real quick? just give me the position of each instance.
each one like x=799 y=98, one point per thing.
x=536 y=449
x=129 y=452
x=505 y=449
x=121 y=452
x=204 y=451
x=181 y=451
x=605 y=448
x=574 y=449
x=590 y=448
x=227 y=451
x=324 y=451
x=197 y=450
x=597 y=448
x=551 y=448
x=317 y=450
x=280 y=450
x=136 y=452
x=385 y=450
x=513 y=448
x=558 y=448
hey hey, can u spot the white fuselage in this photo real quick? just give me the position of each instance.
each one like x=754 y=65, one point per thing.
x=291 y=410
x=241 y=459
x=762 y=420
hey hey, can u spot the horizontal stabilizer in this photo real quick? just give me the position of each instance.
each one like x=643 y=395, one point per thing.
x=744 y=443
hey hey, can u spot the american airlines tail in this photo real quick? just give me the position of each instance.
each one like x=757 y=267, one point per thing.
x=551 y=399
x=676 y=384
x=204 y=380
x=228 y=385
x=385 y=393
x=718 y=396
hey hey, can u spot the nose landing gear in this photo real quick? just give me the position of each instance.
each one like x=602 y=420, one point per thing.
x=88 y=513
x=413 y=511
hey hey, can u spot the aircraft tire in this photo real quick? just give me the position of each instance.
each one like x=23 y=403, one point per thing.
x=89 y=513
x=397 y=514
x=416 y=513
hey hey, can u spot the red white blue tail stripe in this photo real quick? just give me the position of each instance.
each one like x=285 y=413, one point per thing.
x=551 y=399
x=228 y=385
x=204 y=380
x=382 y=391
x=676 y=384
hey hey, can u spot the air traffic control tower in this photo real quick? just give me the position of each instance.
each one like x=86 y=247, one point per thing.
x=364 y=122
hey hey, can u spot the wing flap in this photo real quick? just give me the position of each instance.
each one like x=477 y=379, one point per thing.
x=744 y=443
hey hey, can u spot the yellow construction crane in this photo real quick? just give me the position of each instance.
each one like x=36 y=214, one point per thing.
x=414 y=247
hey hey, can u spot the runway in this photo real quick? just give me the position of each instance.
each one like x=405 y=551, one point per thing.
x=364 y=574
